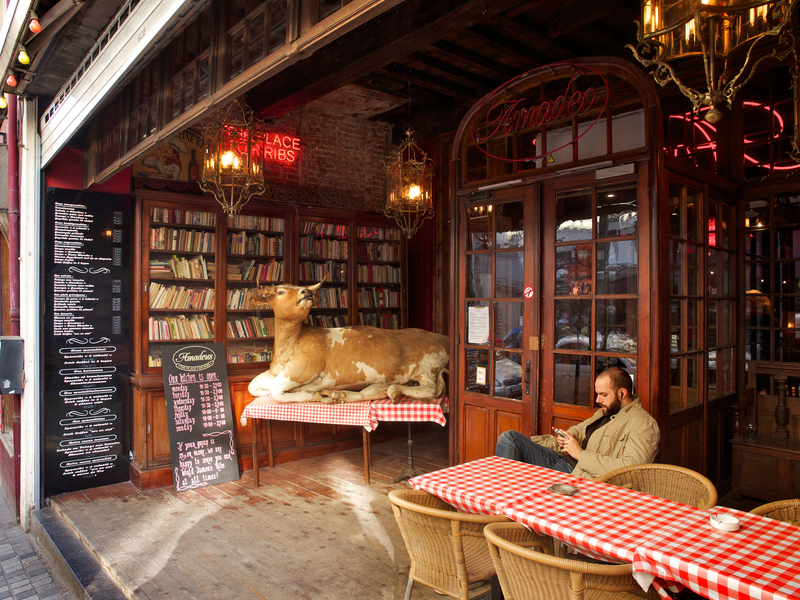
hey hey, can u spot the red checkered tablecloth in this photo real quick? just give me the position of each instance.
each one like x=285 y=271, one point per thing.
x=760 y=561
x=486 y=485
x=364 y=414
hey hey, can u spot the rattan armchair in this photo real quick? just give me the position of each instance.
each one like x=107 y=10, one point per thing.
x=527 y=568
x=782 y=510
x=666 y=481
x=446 y=547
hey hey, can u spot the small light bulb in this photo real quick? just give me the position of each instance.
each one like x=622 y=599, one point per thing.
x=11 y=80
x=24 y=58
x=34 y=25
x=3 y=103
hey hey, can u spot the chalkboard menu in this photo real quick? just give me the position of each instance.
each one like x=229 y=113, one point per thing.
x=87 y=339
x=199 y=415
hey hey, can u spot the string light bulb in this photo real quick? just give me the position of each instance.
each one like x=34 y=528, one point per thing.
x=11 y=80
x=34 y=25
x=23 y=57
x=3 y=103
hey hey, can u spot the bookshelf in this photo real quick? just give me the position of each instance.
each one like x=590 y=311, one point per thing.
x=323 y=256
x=379 y=275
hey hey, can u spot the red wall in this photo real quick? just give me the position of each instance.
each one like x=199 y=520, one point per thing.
x=66 y=171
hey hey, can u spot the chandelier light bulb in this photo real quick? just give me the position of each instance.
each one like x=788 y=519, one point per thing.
x=34 y=25
x=414 y=191
x=24 y=58
x=11 y=80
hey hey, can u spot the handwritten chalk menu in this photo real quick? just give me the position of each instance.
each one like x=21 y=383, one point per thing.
x=199 y=415
x=87 y=339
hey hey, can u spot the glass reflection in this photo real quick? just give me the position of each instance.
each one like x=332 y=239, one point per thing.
x=477 y=361
x=757 y=244
x=479 y=276
x=675 y=267
x=479 y=227
x=508 y=374
x=694 y=229
x=573 y=322
x=616 y=267
x=573 y=380
x=574 y=270
x=757 y=277
x=757 y=214
x=757 y=346
x=574 y=215
x=693 y=397
x=616 y=325
x=787 y=277
x=674 y=211
x=616 y=210
x=675 y=396
x=675 y=322
x=508 y=324
x=786 y=209
x=509 y=274
x=692 y=269
x=510 y=230
x=757 y=310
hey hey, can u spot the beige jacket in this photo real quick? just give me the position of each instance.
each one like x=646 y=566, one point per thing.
x=630 y=438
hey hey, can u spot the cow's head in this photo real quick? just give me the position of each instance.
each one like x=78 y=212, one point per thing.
x=287 y=300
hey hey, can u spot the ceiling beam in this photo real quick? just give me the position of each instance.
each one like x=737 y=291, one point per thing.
x=505 y=45
x=471 y=79
x=473 y=57
x=540 y=43
x=423 y=80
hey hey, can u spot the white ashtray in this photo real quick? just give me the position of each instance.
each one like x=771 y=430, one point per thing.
x=725 y=522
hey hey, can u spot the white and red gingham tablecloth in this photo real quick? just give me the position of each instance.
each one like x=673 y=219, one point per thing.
x=364 y=414
x=666 y=541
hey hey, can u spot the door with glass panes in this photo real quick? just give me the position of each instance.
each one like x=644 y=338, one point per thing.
x=498 y=321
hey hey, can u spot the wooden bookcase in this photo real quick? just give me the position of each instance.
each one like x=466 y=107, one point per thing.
x=195 y=271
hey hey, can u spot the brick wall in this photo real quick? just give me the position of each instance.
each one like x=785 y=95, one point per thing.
x=337 y=152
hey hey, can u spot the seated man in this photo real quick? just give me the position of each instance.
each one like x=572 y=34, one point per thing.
x=619 y=434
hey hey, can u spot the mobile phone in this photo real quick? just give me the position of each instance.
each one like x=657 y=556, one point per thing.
x=559 y=432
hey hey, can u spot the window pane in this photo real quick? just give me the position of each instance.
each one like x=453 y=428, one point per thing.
x=675 y=211
x=507 y=374
x=757 y=346
x=616 y=324
x=479 y=228
x=757 y=310
x=693 y=272
x=574 y=270
x=255 y=49
x=692 y=325
x=616 y=210
x=573 y=320
x=675 y=268
x=478 y=323
x=573 y=380
x=693 y=396
x=508 y=324
x=277 y=31
x=675 y=323
x=509 y=225
x=236 y=45
x=757 y=277
x=574 y=215
x=675 y=372
x=616 y=267
x=787 y=276
x=479 y=276
x=694 y=230
x=757 y=244
x=477 y=361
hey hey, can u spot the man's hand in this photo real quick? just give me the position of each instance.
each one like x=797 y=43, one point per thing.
x=569 y=445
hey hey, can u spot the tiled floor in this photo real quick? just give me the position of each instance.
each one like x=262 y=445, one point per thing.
x=312 y=530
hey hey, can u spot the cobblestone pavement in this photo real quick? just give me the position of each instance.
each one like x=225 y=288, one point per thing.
x=24 y=573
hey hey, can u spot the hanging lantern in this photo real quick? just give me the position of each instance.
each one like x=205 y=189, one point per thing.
x=722 y=33
x=409 y=186
x=233 y=168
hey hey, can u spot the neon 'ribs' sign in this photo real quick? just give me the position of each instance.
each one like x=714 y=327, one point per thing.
x=504 y=117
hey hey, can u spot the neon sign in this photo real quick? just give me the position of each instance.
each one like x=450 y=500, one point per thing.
x=502 y=116
x=709 y=134
x=280 y=147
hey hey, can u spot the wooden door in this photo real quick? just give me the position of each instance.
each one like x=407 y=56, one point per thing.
x=498 y=324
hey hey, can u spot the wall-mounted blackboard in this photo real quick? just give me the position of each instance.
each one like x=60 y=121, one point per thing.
x=87 y=238
x=199 y=415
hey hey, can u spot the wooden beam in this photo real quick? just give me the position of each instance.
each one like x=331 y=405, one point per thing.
x=469 y=78
x=540 y=43
x=428 y=82
x=409 y=27
x=473 y=57
x=509 y=47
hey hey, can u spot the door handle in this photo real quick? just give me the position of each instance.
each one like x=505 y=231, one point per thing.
x=527 y=377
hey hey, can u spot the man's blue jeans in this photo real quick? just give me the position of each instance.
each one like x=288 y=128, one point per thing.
x=514 y=445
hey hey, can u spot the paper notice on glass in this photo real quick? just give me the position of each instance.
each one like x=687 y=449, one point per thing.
x=478 y=325
x=480 y=375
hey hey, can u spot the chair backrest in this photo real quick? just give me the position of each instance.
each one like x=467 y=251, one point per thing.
x=446 y=547
x=527 y=568
x=666 y=481
x=782 y=510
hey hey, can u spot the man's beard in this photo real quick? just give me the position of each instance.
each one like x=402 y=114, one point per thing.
x=612 y=408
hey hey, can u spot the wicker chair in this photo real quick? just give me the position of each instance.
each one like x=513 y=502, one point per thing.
x=446 y=547
x=527 y=568
x=782 y=510
x=666 y=481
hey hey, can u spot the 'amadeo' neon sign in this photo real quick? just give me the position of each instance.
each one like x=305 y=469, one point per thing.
x=503 y=116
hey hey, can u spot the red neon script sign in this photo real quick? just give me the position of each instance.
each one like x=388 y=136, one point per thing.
x=503 y=117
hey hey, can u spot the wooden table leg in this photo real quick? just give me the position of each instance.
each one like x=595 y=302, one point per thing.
x=254 y=436
x=365 y=441
x=269 y=444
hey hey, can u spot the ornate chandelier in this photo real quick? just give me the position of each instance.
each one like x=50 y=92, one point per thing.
x=233 y=169
x=409 y=186
x=723 y=32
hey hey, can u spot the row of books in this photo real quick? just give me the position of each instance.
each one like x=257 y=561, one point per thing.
x=241 y=299
x=327 y=320
x=332 y=297
x=334 y=272
x=378 y=233
x=313 y=248
x=182 y=240
x=386 y=252
x=180 y=297
x=193 y=327
x=255 y=244
x=378 y=298
x=253 y=222
x=382 y=320
x=323 y=229
x=248 y=357
x=179 y=267
x=250 y=270
x=183 y=217
x=378 y=274
x=251 y=327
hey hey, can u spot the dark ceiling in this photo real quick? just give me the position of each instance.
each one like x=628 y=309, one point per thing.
x=442 y=54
